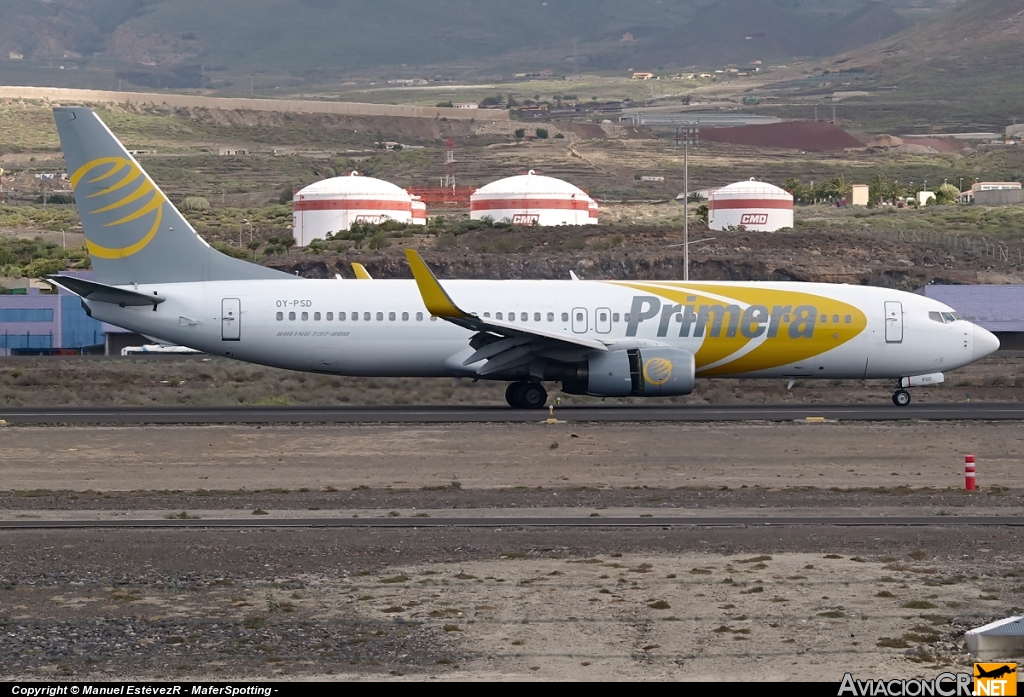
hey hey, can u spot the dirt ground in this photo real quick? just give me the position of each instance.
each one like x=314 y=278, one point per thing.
x=508 y=602
x=499 y=456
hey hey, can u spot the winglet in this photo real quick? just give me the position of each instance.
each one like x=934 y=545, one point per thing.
x=360 y=271
x=434 y=296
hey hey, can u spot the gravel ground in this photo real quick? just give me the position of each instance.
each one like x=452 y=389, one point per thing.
x=509 y=602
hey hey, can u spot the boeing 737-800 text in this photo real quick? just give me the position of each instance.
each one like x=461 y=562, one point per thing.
x=156 y=276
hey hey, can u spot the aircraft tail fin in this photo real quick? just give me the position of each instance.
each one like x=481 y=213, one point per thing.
x=133 y=233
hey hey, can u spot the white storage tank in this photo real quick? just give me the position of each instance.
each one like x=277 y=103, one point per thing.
x=753 y=205
x=333 y=205
x=532 y=199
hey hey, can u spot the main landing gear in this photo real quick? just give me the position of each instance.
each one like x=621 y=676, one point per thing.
x=901 y=398
x=526 y=395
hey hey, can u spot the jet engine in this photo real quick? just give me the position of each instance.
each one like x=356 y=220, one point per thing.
x=645 y=372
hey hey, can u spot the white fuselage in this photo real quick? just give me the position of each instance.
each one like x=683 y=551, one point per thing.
x=381 y=327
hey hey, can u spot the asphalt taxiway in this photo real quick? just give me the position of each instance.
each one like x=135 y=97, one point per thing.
x=528 y=521
x=956 y=411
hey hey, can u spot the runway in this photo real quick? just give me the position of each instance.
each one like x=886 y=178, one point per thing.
x=957 y=411
x=513 y=522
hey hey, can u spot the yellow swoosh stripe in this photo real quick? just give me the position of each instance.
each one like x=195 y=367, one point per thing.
x=111 y=253
x=143 y=189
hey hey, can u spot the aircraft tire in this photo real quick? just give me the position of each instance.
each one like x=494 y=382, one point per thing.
x=513 y=395
x=533 y=396
x=901 y=398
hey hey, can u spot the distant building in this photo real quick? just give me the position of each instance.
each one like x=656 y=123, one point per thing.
x=15 y=56
x=626 y=37
x=923 y=197
x=994 y=186
x=643 y=76
x=466 y=105
x=995 y=193
x=232 y=151
x=859 y=195
x=997 y=308
x=33 y=321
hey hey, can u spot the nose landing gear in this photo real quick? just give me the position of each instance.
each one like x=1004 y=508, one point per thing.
x=526 y=395
x=901 y=397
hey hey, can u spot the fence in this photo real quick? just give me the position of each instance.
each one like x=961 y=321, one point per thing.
x=968 y=244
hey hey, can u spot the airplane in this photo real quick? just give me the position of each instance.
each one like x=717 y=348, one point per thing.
x=156 y=276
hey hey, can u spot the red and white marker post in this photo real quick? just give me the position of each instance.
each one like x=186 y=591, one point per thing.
x=969 y=482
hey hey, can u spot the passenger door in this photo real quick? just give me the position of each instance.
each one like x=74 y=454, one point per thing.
x=893 y=322
x=602 y=320
x=231 y=319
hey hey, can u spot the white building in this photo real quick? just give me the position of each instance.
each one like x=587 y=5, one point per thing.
x=532 y=199
x=752 y=205
x=333 y=205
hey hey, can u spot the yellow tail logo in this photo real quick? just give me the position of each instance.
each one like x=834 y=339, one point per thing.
x=128 y=173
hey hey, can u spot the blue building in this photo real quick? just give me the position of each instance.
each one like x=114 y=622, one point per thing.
x=997 y=308
x=39 y=322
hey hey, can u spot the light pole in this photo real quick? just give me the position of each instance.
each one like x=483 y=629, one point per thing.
x=687 y=133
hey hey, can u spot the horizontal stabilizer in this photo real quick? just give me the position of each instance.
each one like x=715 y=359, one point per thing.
x=99 y=292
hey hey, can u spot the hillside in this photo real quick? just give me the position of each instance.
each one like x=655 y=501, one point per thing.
x=958 y=70
x=742 y=31
x=276 y=43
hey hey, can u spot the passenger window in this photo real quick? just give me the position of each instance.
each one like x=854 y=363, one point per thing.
x=405 y=316
x=551 y=317
x=433 y=319
x=579 y=316
x=419 y=316
x=487 y=314
x=391 y=316
x=305 y=316
x=380 y=316
x=603 y=316
x=835 y=319
x=291 y=315
x=366 y=316
x=341 y=316
x=823 y=319
x=330 y=316
x=615 y=317
x=536 y=317
x=525 y=316
x=497 y=315
x=625 y=317
x=355 y=316
x=565 y=316
x=848 y=319
x=316 y=316
x=280 y=316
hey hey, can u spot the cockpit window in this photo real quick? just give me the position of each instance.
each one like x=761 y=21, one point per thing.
x=943 y=317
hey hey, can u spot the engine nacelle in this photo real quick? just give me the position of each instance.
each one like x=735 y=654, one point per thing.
x=646 y=372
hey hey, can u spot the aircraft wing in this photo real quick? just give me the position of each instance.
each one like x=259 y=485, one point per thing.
x=504 y=345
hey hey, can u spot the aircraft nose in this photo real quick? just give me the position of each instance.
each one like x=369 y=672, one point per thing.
x=985 y=342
